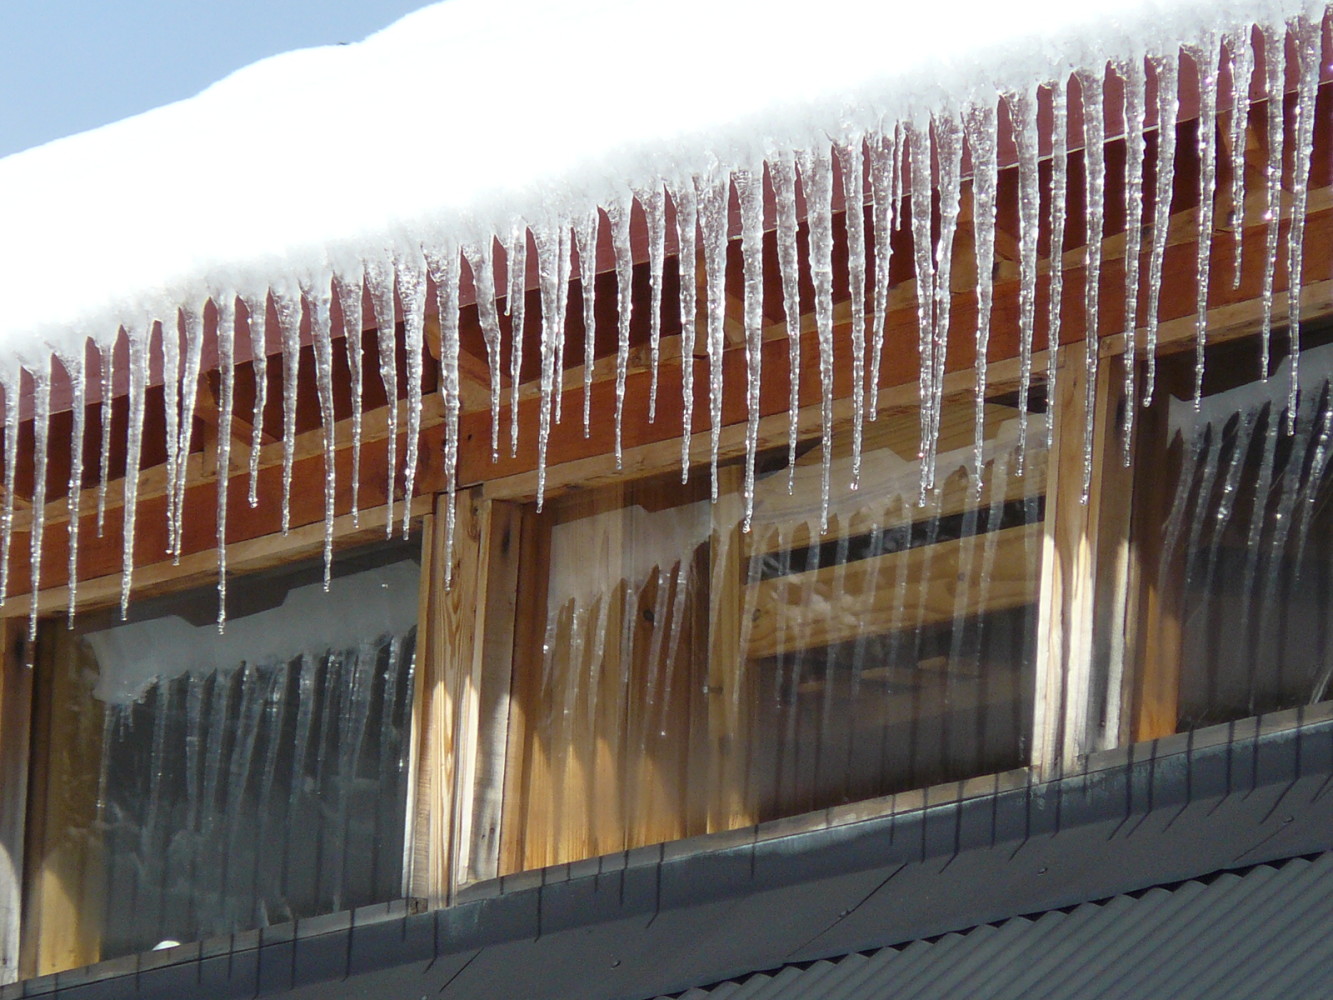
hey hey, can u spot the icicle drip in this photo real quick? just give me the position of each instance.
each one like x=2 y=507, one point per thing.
x=585 y=241
x=1167 y=71
x=514 y=303
x=949 y=147
x=133 y=450
x=108 y=354
x=619 y=217
x=1205 y=58
x=412 y=298
x=817 y=183
x=853 y=188
x=288 y=306
x=1307 y=34
x=481 y=260
x=171 y=389
x=257 y=313
x=379 y=282
x=548 y=243
x=76 y=368
x=1242 y=74
x=319 y=306
x=350 y=295
x=750 y=193
x=686 y=236
x=41 y=433
x=714 y=196
x=1023 y=118
x=783 y=173
x=884 y=161
x=919 y=137
x=226 y=340
x=654 y=210
x=1275 y=85
x=1135 y=79
x=444 y=270
x=982 y=141
x=189 y=396
x=11 y=385
x=1059 y=202
x=562 y=302
x=1094 y=186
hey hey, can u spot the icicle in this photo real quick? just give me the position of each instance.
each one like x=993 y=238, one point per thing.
x=949 y=147
x=1023 y=119
x=41 y=432
x=714 y=196
x=1167 y=71
x=514 y=302
x=687 y=217
x=104 y=456
x=923 y=252
x=1242 y=74
x=226 y=341
x=76 y=367
x=750 y=193
x=982 y=141
x=1094 y=178
x=350 y=297
x=1132 y=73
x=884 y=160
x=654 y=210
x=319 y=305
x=1059 y=205
x=444 y=270
x=1205 y=59
x=783 y=173
x=257 y=313
x=817 y=183
x=548 y=243
x=379 y=282
x=288 y=306
x=585 y=240
x=133 y=450
x=481 y=260
x=171 y=387
x=412 y=298
x=1275 y=59
x=619 y=217
x=189 y=395
x=853 y=188
x=1307 y=34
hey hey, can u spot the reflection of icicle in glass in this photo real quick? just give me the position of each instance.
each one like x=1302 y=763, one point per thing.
x=680 y=601
x=319 y=304
x=107 y=354
x=412 y=299
x=189 y=397
x=138 y=341
x=1259 y=518
x=982 y=141
x=1094 y=181
x=157 y=760
x=1242 y=72
x=817 y=183
x=619 y=217
x=379 y=282
x=226 y=341
x=714 y=195
x=41 y=434
x=243 y=749
x=194 y=734
x=654 y=210
x=256 y=309
x=1167 y=72
x=585 y=242
x=76 y=367
x=547 y=242
x=1131 y=71
x=275 y=704
x=1023 y=121
x=1221 y=516
x=949 y=149
x=782 y=171
x=853 y=191
x=1307 y=33
x=750 y=193
x=686 y=226
x=884 y=159
x=1314 y=478
x=287 y=304
x=919 y=138
x=444 y=271
x=350 y=296
x=305 y=716
x=1059 y=206
x=481 y=261
x=1195 y=451
x=515 y=301
x=1205 y=59
x=1275 y=85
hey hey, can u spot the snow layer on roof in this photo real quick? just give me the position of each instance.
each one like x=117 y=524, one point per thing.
x=472 y=114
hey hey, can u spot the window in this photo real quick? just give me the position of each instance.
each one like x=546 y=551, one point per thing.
x=194 y=783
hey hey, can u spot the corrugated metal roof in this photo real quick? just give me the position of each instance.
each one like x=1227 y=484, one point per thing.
x=1264 y=931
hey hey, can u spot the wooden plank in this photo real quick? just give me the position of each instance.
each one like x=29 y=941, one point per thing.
x=15 y=725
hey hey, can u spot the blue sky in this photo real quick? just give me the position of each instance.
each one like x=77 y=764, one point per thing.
x=71 y=65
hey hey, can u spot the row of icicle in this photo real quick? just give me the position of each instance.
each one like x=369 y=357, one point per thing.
x=702 y=205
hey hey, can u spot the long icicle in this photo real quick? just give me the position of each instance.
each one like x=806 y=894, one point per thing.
x=1023 y=119
x=750 y=193
x=256 y=309
x=564 y=271
x=481 y=261
x=1132 y=72
x=108 y=355
x=11 y=382
x=687 y=218
x=226 y=341
x=379 y=282
x=547 y=241
x=714 y=197
x=1308 y=38
x=949 y=146
x=515 y=299
x=444 y=271
x=1094 y=186
x=41 y=435
x=884 y=159
x=1167 y=71
x=319 y=307
x=171 y=387
x=817 y=183
x=783 y=173
x=76 y=366
x=585 y=242
x=138 y=341
x=1059 y=205
x=918 y=136
x=412 y=297
x=1205 y=59
x=851 y=159
x=618 y=215
x=193 y=321
x=287 y=302
x=654 y=209
x=982 y=140
x=1240 y=46
x=1275 y=85
x=351 y=294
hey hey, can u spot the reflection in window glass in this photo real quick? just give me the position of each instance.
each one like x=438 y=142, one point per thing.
x=246 y=778
x=694 y=676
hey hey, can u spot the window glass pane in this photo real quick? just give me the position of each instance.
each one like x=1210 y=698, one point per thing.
x=237 y=779
x=696 y=676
